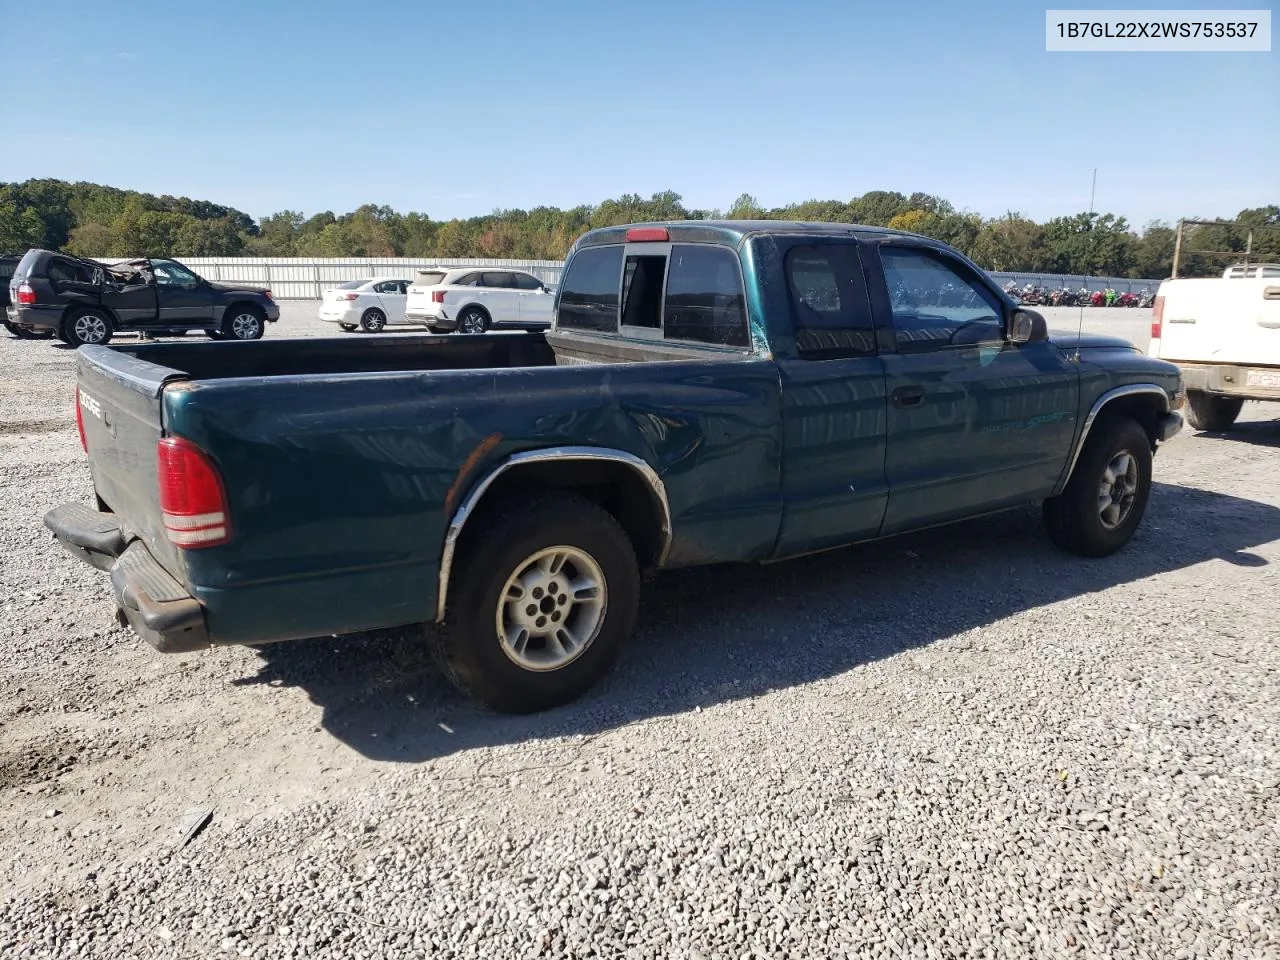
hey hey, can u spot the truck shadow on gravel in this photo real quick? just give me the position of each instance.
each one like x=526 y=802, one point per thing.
x=1258 y=433
x=717 y=634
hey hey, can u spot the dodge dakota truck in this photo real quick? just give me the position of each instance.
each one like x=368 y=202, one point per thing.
x=709 y=392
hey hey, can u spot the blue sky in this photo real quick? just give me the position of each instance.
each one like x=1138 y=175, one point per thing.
x=326 y=105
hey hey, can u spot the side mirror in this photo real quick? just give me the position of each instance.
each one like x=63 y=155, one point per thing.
x=1027 y=326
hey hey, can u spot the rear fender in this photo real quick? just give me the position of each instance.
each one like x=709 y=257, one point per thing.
x=474 y=498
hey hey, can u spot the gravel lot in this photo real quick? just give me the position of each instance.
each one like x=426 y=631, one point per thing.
x=958 y=744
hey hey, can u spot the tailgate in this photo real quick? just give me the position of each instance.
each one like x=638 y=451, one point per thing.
x=119 y=406
x=1234 y=321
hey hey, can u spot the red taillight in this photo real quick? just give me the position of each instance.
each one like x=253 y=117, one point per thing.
x=347 y=296
x=80 y=421
x=648 y=235
x=437 y=296
x=193 y=502
x=267 y=294
x=26 y=294
x=1157 y=318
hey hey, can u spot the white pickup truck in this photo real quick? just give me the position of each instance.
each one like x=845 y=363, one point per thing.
x=1224 y=334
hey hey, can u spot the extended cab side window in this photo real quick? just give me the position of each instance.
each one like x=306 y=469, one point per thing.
x=935 y=303
x=589 y=290
x=829 y=310
x=704 y=296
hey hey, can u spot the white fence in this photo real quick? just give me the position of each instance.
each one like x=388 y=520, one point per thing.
x=302 y=278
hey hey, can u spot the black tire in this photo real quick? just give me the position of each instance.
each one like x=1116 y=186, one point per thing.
x=467 y=644
x=1075 y=520
x=373 y=321
x=214 y=335
x=473 y=320
x=86 y=327
x=347 y=327
x=245 y=322
x=1207 y=412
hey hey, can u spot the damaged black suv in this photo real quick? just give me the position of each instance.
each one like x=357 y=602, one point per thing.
x=83 y=301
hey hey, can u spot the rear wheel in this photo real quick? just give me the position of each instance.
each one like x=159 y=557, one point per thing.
x=86 y=328
x=1207 y=412
x=243 y=323
x=348 y=327
x=544 y=595
x=373 y=320
x=473 y=320
x=214 y=335
x=1107 y=494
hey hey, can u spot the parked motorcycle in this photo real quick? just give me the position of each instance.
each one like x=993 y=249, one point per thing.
x=1127 y=299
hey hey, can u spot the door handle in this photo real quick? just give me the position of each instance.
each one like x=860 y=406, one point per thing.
x=907 y=396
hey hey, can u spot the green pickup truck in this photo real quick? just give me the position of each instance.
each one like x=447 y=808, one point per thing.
x=709 y=392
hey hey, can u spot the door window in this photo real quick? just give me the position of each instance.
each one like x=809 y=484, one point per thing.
x=935 y=303
x=704 y=296
x=589 y=290
x=829 y=310
x=501 y=281
x=525 y=281
x=170 y=274
x=389 y=286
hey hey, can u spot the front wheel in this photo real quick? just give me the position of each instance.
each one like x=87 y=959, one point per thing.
x=543 y=597
x=243 y=323
x=1106 y=497
x=87 y=328
x=1207 y=412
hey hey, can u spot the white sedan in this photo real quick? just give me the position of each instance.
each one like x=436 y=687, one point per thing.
x=371 y=304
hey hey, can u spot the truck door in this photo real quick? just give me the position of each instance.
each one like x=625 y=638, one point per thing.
x=535 y=301
x=132 y=300
x=184 y=299
x=975 y=423
x=833 y=402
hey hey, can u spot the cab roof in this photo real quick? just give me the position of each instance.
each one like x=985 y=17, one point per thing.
x=733 y=231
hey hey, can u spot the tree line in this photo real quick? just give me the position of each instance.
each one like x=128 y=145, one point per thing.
x=99 y=221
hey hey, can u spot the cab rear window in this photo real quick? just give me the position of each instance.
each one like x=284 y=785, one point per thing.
x=589 y=290
x=704 y=296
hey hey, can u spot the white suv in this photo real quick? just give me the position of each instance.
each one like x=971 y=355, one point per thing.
x=475 y=299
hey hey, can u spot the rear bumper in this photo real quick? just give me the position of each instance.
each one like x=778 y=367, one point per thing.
x=34 y=316
x=1232 y=380
x=351 y=317
x=436 y=321
x=155 y=605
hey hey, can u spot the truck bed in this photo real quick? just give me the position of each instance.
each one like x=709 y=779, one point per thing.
x=215 y=360
x=344 y=460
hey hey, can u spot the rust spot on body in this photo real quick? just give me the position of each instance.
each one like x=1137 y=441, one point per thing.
x=479 y=453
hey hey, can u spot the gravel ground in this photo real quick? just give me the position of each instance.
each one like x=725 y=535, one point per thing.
x=957 y=744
